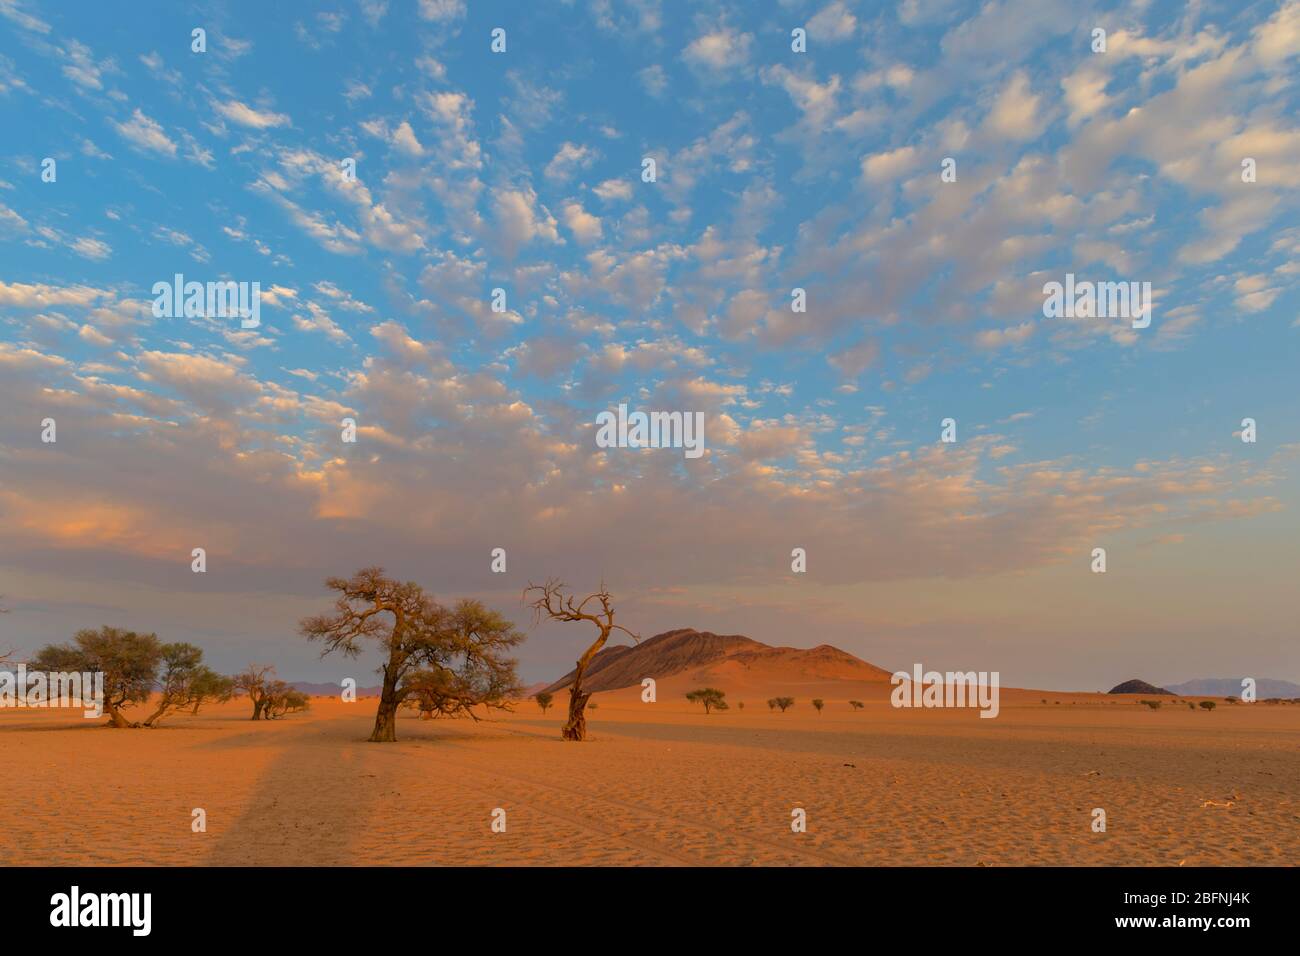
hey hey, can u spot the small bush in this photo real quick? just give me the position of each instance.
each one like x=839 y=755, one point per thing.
x=1207 y=705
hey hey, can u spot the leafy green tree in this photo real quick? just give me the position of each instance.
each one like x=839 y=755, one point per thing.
x=128 y=661
x=186 y=681
x=459 y=654
x=281 y=699
x=254 y=682
x=710 y=697
x=543 y=700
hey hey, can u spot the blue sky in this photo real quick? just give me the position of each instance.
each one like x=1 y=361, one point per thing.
x=775 y=169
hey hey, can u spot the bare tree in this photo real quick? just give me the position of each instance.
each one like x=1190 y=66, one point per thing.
x=551 y=601
x=459 y=652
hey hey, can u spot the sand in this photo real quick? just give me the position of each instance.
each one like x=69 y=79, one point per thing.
x=664 y=784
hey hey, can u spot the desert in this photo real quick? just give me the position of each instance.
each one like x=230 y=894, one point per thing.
x=665 y=784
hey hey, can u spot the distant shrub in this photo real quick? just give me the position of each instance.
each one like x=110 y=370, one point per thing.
x=710 y=697
x=783 y=702
x=1190 y=705
x=856 y=704
x=543 y=700
x=819 y=704
x=1153 y=704
x=1207 y=705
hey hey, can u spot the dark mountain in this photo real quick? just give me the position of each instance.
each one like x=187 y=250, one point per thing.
x=686 y=649
x=1136 y=686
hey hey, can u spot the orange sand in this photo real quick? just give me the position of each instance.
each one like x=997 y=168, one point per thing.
x=664 y=784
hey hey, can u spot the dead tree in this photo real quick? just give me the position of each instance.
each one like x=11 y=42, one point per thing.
x=551 y=601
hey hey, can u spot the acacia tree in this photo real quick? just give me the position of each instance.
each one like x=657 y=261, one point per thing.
x=254 y=682
x=128 y=661
x=187 y=682
x=710 y=697
x=819 y=704
x=782 y=702
x=281 y=698
x=856 y=704
x=543 y=700
x=458 y=652
x=551 y=601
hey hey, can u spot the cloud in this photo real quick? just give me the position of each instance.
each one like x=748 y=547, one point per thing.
x=584 y=226
x=145 y=133
x=245 y=115
x=721 y=50
x=568 y=159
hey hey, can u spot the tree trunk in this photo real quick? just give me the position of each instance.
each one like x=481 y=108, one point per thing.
x=386 y=716
x=257 y=709
x=115 y=718
x=156 y=715
x=385 y=723
x=575 y=728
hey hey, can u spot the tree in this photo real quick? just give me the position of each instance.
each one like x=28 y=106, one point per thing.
x=710 y=697
x=281 y=698
x=782 y=702
x=543 y=700
x=856 y=704
x=819 y=704
x=1207 y=705
x=551 y=601
x=253 y=682
x=186 y=681
x=128 y=661
x=457 y=654
x=771 y=703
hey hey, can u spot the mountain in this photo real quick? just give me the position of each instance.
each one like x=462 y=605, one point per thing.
x=718 y=658
x=1136 y=686
x=1231 y=687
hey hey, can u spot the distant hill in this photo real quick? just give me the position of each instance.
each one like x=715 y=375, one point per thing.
x=1136 y=686
x=1231 y=687
x=331 y=690
x=716 y=657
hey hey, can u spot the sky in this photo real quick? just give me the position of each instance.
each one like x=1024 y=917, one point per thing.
x=919 y=170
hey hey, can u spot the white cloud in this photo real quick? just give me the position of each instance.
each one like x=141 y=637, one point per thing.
x=145 y=133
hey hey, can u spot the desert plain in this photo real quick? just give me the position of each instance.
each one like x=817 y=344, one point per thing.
x=665 y=784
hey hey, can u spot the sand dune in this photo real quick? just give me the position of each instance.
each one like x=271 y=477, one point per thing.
x=664 y=784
